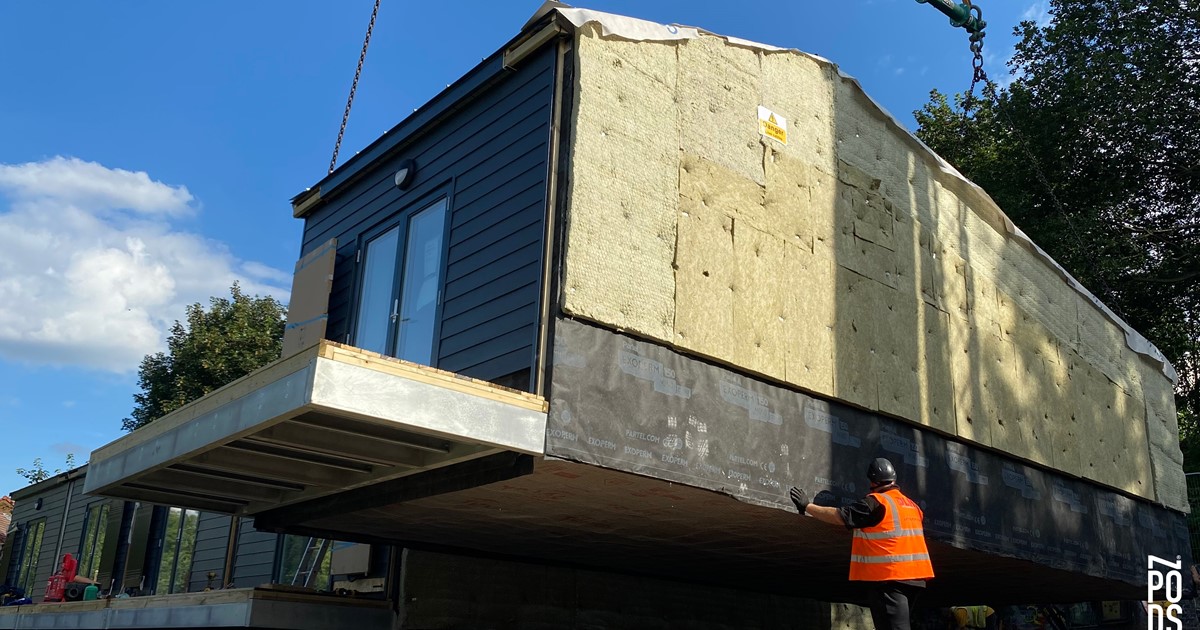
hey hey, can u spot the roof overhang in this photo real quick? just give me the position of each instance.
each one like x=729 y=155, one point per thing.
x=543 y=28
x=328 y=419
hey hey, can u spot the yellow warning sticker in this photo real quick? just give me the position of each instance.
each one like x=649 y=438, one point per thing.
x=772 y=125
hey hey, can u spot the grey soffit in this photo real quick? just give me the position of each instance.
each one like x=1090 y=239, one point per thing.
x=309 y=426
x=588 y=516
x=240 y=608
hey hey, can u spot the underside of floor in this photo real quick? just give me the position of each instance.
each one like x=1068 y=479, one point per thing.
x=566 y=513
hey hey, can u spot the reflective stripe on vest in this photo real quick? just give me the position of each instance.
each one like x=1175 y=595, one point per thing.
x=885 y=559
x=895 y=548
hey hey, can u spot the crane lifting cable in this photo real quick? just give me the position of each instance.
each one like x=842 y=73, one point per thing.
x=970 y=18
x=353 y=87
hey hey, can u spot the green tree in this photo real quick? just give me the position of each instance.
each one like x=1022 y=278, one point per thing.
x=1094 y=151
x=230 y=339
x=37 y=472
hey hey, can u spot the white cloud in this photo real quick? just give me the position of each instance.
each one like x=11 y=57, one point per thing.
x=75 y=182
x=1038 y=13
x=264 y=273
x=92 y=272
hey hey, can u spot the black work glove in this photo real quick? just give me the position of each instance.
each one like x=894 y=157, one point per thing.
x=800 y=498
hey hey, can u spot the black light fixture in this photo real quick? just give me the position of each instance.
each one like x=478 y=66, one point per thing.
x=404 y=175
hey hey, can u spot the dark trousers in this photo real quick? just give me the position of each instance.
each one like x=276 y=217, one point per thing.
x=891 y=605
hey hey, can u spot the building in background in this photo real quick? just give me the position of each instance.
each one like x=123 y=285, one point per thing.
x=139 y=549
x=6 y=508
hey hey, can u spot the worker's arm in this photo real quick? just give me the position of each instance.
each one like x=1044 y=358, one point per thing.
x=865 y=512
x=806 y=507
x=830 y=515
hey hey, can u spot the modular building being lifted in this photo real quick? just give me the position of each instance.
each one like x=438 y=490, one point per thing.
x=579 y=322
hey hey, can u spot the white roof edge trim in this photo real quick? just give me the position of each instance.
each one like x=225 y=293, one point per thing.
x=634 y=29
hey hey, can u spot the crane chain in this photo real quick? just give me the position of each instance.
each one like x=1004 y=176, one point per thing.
x=354 y=87
x=977 y=72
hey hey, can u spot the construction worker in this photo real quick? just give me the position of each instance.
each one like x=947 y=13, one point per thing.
x=888 y=552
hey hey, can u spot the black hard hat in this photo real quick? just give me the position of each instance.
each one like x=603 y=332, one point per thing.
x=881 y=471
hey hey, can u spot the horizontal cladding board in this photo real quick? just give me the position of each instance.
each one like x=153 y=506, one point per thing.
x=517 y=290
x=521 y=205
x=492 y=368
x=501 y=294
x=520 y=160
x=509 y=100
x=499 y=117
x=498 y=336
x=506 y=313
x=380 y=197
x=516 y=263
x=525 y=237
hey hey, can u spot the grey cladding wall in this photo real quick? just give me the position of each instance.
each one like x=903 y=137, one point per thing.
x=490 y=156
x=254 y=561
x=212 y=544
x=52 y=508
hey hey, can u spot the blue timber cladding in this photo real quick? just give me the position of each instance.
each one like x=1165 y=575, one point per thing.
x=488 y=152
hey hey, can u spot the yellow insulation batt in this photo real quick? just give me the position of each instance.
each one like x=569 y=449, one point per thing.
x=849 y=261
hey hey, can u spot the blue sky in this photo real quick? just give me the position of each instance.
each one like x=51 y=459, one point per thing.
x=148 y=152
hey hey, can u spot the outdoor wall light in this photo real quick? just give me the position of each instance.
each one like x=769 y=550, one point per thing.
x=404 y=176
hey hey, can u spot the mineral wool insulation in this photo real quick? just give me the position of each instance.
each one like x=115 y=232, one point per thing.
x=849 y=260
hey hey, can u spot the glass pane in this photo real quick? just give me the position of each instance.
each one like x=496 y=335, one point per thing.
x=296 y=558
x=170 y=544
x=29 y=561
x=93 y=535
x=98 y=548
x=289 y=558
x=187 y=545
x=375 y=303
x=422 y=277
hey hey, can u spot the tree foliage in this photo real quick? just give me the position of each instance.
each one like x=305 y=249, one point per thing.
x=230 y=339
x=1094 y=150
x=37 y=471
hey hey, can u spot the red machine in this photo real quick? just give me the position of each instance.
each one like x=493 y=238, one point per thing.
x=57 y=583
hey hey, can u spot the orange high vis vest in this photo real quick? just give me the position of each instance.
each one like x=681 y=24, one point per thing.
x=895 y=548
